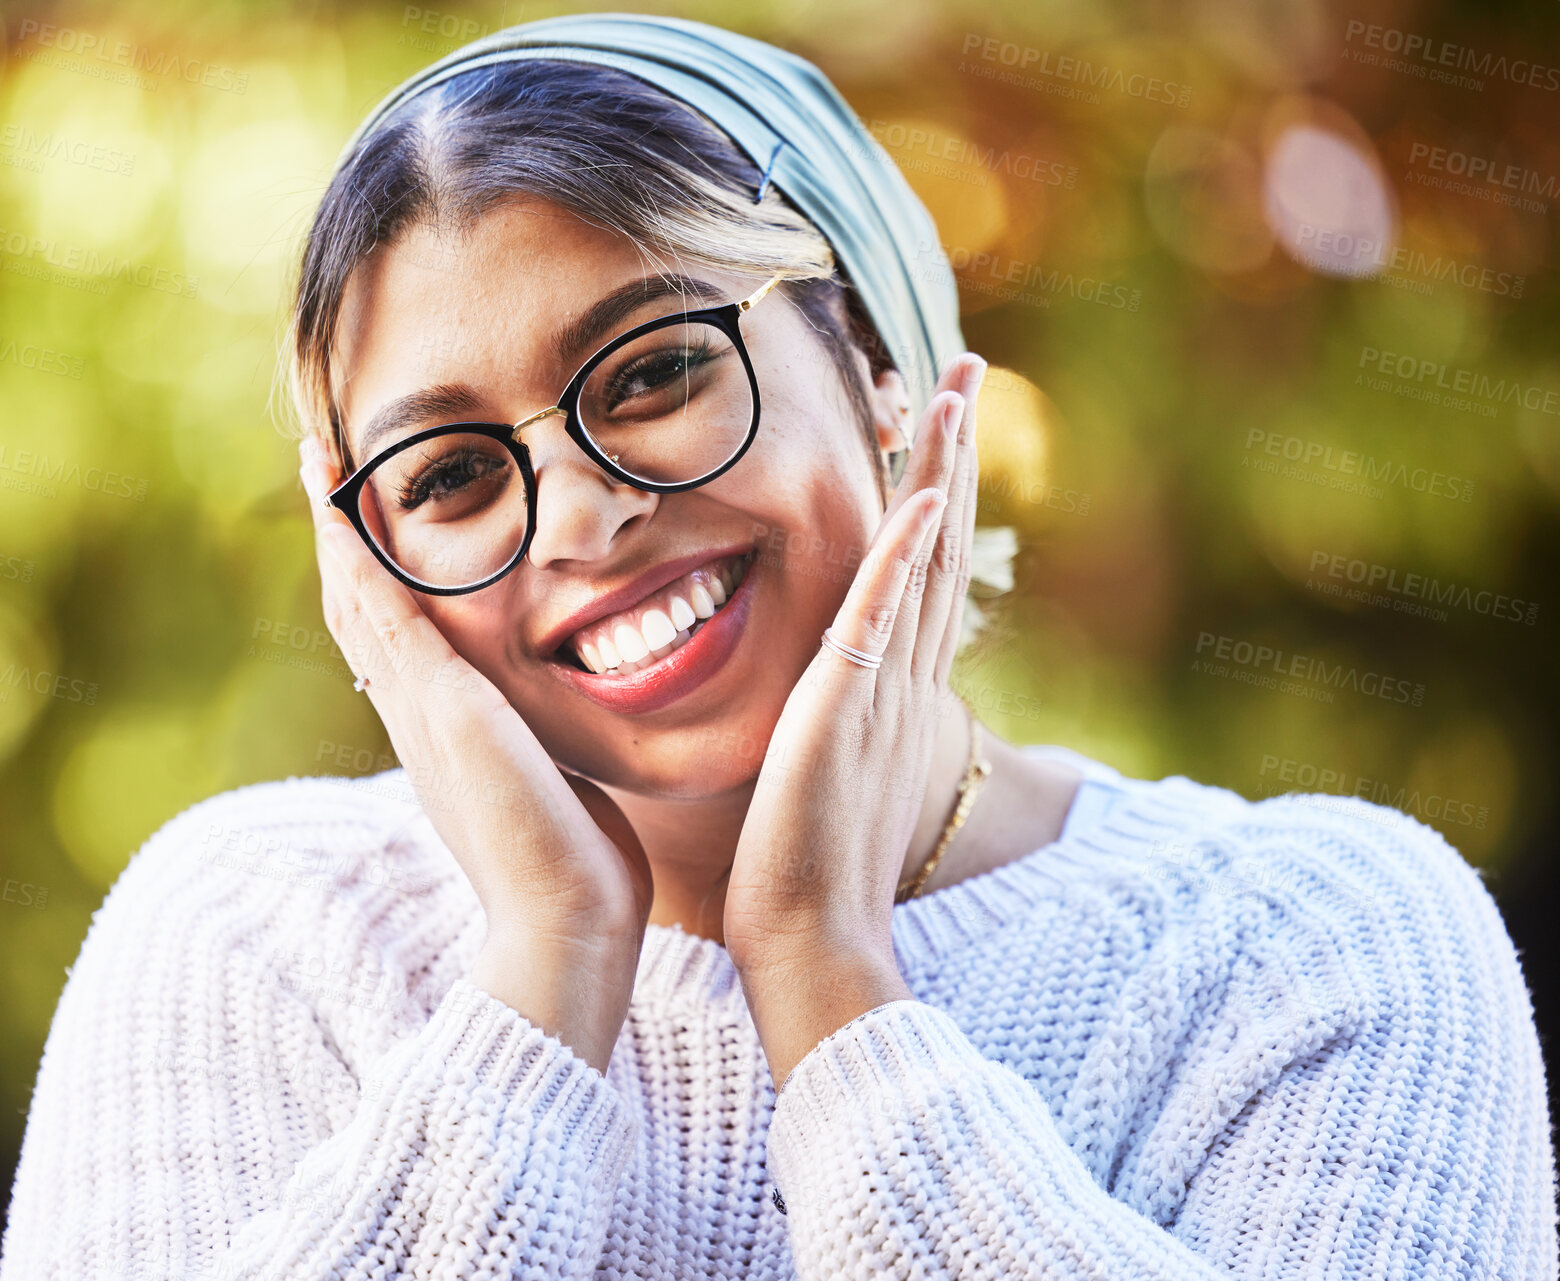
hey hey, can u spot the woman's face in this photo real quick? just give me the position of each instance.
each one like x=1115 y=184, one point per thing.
x=490 y=310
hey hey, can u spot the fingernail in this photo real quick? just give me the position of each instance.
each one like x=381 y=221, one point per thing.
x=311 y=449
x=311 y=474
x=953 y=413
x=975 y=375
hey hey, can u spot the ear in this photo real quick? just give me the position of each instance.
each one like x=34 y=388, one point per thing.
x=891 y=411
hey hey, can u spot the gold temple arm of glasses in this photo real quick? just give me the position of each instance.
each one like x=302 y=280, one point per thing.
x=747 y=303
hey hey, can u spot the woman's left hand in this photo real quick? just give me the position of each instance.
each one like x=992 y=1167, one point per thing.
x=810 y=898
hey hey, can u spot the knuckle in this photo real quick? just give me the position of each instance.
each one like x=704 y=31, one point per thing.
x=904 y=557
x=392 y=635
x=948 y=557
x=877 y=624
x=360 y=574
x=962 y=579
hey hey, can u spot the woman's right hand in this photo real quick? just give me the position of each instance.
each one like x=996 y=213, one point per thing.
x=559 y=872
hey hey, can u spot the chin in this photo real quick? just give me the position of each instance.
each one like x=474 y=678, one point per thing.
x=695 y=760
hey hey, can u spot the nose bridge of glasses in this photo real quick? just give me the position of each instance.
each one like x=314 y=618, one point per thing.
x=552 y=411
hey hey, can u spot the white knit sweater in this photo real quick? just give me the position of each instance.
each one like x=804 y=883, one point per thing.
x=1195 y=1039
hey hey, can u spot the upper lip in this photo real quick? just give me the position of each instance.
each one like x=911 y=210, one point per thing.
x=631 y=593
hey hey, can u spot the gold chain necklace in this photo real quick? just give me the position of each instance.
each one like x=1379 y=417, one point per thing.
x=969 y=788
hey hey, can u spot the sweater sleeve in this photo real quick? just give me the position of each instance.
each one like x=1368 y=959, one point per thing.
x=1413 y=1142
x=193 y=1118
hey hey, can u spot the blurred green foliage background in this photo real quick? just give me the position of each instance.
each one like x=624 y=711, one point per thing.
x=1144 y=203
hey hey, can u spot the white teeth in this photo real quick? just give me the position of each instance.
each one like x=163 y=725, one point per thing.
x=657 y=629
x=682 y=616
x=627 y=648
x=630 y=644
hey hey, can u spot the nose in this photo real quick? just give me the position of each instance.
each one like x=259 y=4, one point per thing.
x=579 y=508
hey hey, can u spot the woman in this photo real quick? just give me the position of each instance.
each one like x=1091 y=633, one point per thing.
x=720 y=941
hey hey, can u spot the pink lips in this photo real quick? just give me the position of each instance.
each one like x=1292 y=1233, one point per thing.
x=678 y=673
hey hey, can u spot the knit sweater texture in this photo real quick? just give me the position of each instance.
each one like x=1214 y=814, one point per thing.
x=1196 y=1038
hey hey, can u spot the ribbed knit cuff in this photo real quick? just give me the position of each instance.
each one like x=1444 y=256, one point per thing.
x=483 y=1044
x=900 y=1051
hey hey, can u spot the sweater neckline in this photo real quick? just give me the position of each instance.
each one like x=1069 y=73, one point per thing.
x=683 y=971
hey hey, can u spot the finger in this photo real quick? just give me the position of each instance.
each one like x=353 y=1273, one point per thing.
x=922 y=468
x=378 y=623
x=866 y=619
x=951 y=561
x=319 y=472
x=908 y=646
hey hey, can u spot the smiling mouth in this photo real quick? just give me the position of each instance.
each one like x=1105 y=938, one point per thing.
x=633 y=639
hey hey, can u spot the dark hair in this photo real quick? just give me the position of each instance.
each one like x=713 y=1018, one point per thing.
x=607 y=146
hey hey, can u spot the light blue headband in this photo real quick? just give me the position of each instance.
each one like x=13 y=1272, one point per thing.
x=797 y=130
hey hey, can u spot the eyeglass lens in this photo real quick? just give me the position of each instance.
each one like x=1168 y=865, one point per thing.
x=668 y=407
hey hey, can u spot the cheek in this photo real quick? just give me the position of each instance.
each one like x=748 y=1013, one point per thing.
x=478 y=627
x=813 y=500
x=818 y=483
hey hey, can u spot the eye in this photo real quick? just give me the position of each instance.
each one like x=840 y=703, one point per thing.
x=644 y=376
x=445 y=477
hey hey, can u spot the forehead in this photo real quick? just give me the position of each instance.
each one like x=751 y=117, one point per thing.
x=438 y=307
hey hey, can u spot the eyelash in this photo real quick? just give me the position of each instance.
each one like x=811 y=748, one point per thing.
x=691 y=355
x=416 y=490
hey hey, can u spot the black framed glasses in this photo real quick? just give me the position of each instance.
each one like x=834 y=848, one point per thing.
x=667 y=406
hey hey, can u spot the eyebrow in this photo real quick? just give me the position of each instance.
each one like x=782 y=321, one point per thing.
x=573 y=343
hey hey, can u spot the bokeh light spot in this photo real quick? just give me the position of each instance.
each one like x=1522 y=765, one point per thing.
x=1327 y=202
